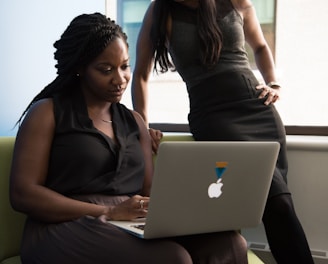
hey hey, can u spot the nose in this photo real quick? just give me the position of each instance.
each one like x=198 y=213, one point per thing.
x=121 y=77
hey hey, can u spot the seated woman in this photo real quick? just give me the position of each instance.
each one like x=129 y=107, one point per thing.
x=82 y=158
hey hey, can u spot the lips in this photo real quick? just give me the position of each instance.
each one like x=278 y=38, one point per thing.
x=116 y=93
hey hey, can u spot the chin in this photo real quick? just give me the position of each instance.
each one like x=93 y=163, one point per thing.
x=115 y=99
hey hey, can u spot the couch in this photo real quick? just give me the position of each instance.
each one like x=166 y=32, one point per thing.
x=11 y=222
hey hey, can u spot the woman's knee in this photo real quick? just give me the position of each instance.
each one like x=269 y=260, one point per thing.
x=222 y=247
x=280 y=205
x=231 y=249
x=172 y=252
x=240 y=242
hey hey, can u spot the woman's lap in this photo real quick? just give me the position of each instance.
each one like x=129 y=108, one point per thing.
x=89 y=240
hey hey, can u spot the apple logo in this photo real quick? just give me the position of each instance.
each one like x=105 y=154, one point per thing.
x=214 y=190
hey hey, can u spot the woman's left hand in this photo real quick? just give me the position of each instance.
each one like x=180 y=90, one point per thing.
x=156 y=136
x=271 y=94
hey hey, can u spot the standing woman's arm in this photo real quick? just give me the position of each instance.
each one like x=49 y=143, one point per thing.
x=143 y=67
x=145 y=142
x=262 y=53
x=144 y=64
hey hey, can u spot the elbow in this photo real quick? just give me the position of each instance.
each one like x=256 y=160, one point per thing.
x=14 y=199
x=17 y=200
x=260 y=50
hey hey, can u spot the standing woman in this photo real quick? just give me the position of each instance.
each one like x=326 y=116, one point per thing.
x=205 y=39
x=82 y=158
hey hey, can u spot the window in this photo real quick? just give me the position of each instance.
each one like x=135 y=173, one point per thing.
x=292 y=29
x=129 y=15
x=266 y=14
x=297 y=44
x=168 y=89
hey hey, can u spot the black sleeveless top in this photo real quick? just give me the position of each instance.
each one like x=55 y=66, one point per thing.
x=185 y=48
x=83 y=160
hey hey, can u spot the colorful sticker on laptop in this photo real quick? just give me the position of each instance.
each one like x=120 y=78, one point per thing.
x=215 y=189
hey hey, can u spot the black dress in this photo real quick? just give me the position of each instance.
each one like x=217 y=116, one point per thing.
x=224 y=103
x=87 y=165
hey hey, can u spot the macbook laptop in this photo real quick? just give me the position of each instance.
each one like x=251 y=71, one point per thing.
x=201 y=187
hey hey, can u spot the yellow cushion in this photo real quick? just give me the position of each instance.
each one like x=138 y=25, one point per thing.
x=12 y=260
x=253 y=258
x=11 y=222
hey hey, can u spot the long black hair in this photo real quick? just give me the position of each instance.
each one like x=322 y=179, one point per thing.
x=208 y=29
x=82 y=41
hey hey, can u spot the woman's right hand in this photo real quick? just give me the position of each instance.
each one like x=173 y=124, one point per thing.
x=134 y=207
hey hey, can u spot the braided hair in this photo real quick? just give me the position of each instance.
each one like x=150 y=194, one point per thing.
x=83 y=40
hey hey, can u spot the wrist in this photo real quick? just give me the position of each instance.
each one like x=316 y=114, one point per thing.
x=274 y=85
x=108 y=212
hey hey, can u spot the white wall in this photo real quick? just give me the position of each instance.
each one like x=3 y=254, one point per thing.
x=308 y=183
x=302 y=58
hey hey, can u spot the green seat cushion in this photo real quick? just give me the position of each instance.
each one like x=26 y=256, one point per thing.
x=12 y=260
x=11 y=222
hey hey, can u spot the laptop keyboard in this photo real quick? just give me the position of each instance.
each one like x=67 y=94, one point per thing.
x=140 y=226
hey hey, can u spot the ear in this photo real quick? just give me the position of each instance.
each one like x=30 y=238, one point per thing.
x=79 y=71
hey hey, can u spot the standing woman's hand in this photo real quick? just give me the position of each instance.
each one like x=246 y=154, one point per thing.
x=156 y=136
x=271 y=94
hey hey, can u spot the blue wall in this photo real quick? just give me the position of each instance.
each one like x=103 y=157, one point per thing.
x=28 y=30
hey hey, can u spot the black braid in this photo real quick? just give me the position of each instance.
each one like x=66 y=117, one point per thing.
x=83 y=40
x=208 y=29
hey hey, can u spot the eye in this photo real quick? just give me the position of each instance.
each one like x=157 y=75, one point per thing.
x=106 y=70
x=125 y=66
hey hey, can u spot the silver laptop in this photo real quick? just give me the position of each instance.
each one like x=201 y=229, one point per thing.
x=201 y=187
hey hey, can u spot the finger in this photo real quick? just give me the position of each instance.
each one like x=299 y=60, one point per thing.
x=159 y=135
x=155 y=144
x=263 y=88
x=154 y=147
x=275 y=98
x=260 y=86
x=271 y=97
x=264 y=93
x=143 y=204
x=151 y=132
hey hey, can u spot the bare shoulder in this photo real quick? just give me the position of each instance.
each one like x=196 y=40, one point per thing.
x=39 y=118
x=242 y=5
x=42 y=108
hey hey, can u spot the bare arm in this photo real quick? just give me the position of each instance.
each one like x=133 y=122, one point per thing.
x=255 y=38
x=145 y=142
x=262 y=53
x=28 y=193
x=144 y=64
x=143 y=67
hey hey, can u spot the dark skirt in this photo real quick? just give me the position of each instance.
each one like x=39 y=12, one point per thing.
x=226 y=107
x=89 y=240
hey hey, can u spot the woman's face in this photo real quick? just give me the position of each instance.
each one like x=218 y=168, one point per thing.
x=106 y=78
